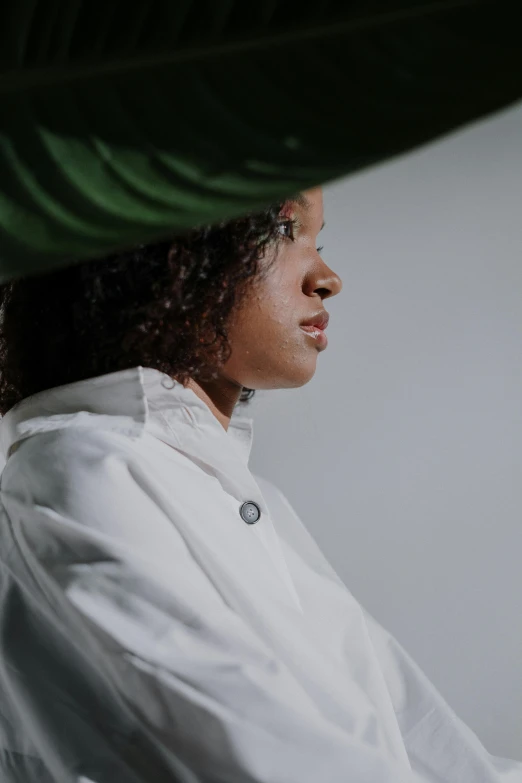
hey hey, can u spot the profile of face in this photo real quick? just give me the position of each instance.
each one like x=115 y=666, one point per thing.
x=269 y=347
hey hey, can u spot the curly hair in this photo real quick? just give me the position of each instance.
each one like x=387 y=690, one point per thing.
x=164 y=305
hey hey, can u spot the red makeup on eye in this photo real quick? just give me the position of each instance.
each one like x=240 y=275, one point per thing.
x=287 y=211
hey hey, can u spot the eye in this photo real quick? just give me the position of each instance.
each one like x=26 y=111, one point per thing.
x=286 y=228
x=320 y=249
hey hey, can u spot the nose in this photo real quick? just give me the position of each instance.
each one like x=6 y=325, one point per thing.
x=327 y=283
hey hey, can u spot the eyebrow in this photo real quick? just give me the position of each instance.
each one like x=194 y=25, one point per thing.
x=301 y=200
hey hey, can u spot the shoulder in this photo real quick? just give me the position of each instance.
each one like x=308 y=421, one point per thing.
x=70 y=484
x=70 y=446
x=67 y=460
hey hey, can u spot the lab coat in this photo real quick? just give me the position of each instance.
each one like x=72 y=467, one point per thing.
x=150 y=633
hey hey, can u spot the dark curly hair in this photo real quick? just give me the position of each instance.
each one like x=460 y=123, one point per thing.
x=163 y=305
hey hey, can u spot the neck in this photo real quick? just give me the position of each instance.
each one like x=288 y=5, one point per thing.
x=221 y=395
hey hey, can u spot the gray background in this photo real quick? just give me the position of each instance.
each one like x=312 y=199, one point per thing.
x=403 y=455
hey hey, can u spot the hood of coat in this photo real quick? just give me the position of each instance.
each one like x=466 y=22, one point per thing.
x=130 y=401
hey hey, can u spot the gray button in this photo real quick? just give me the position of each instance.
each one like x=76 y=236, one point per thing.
x=250 y=512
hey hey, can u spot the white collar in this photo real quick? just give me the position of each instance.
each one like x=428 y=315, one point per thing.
x=126 y=401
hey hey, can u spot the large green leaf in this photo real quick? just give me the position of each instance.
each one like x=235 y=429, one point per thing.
x=127 y=122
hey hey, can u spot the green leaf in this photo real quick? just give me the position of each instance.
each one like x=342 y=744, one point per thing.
x=125 y=123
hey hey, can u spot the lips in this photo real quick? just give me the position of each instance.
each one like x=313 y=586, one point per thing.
x=319 y=320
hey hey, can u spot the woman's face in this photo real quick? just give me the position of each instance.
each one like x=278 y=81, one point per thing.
x=270 y=350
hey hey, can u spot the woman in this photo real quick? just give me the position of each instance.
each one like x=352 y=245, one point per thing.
x=165 y=615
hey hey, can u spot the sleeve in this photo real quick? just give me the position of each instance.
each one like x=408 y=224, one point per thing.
x=440 y=746
x=123 y=669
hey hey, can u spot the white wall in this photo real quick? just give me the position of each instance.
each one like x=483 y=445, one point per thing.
x=403 y=455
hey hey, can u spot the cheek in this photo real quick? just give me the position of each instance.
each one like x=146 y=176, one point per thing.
x=265 y=334
x=268 y=348
x=263 y=306
x=269 y=317
x=266 y=323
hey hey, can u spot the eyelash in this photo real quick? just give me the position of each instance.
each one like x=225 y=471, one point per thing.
x=295 y=223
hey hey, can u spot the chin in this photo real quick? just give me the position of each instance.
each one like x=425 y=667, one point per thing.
x=300 y=377
x=286 y=377
x=301 y=381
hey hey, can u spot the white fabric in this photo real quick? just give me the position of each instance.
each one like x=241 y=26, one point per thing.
x=149 y=635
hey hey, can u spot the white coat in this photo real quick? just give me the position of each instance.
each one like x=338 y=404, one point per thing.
x=150 y=633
